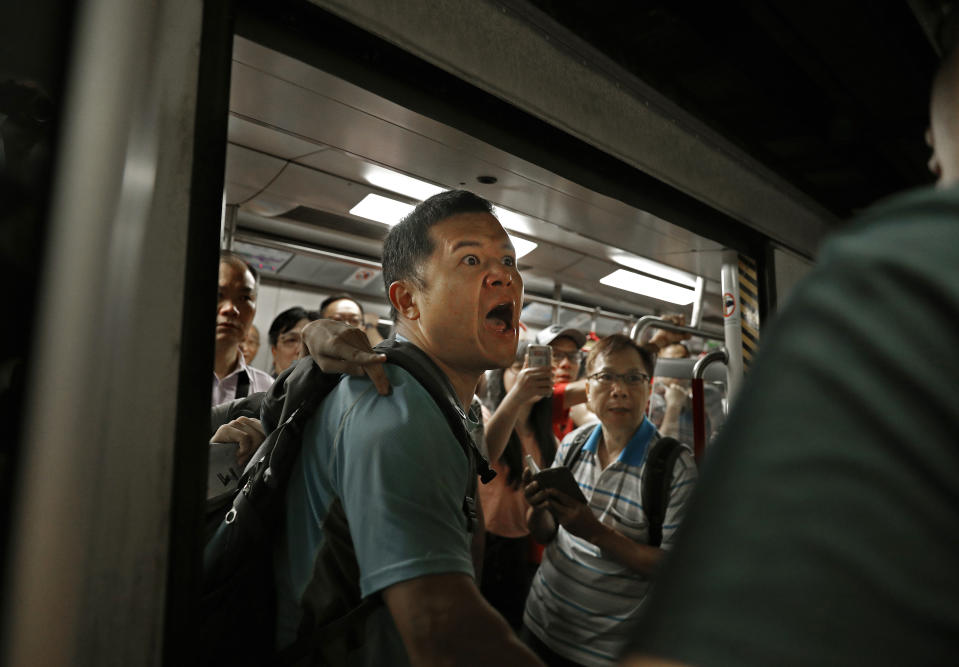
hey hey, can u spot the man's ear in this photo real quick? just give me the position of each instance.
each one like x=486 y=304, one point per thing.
x=403 y=298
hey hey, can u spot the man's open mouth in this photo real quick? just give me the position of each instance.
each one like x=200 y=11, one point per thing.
x=500 y=318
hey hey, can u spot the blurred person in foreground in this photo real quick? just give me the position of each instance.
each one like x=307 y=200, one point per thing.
x=823 y=531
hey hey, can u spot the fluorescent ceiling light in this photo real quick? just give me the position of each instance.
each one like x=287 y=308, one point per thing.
x=657 y=289
x=654 y=268
x=522 y=246
x=399 y=183
x=381 y=209
x=513 y=221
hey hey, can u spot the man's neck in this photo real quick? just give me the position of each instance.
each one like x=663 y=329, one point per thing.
x=611 y=445
x=464 y=382
x=226 y=359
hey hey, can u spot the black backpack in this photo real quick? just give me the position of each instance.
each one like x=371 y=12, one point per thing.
x=238 y=598
x=656 y=480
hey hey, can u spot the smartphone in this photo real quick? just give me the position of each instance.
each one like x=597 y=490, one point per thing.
x=531 y=464
x=539 y=355
x=560 y=478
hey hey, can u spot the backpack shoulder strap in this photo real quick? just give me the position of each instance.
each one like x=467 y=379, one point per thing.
x=575 y=450
x=656 y=480
x=421 y=367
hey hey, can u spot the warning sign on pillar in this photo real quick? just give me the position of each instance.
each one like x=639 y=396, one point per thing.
x=729 y=304
x=362 y=277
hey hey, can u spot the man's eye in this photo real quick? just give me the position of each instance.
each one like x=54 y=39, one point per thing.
x=509 y=261
x=607 y=377
x=471 y=260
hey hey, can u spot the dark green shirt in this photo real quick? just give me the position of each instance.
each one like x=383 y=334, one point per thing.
x=825 y=527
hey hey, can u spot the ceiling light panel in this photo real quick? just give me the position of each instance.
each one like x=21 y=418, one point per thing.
x=657 y=289
x=401 y=184
x=653 y=268
x=381 y=209
x=522 y=246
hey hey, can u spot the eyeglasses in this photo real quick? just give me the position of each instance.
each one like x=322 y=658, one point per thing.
x=606 y=378
x=352 y=320
x=290 y=339
x=572 y=357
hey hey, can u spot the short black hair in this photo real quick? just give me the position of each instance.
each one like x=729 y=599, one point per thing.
x=286 y=321
x=339 y=297
x=408 y=245
x=232 y=258
x=616 y=343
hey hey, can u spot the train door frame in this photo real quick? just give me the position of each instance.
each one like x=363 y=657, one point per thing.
x=135 y=552
x=104 y=550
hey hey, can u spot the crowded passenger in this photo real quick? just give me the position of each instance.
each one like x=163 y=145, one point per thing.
x=518 y=415
x=602 y=550
x=250 y=344
x=286 y=340
x=343 y=308
x=568 y=389
x=397 y=480
x=236 y=305
x=823 y=529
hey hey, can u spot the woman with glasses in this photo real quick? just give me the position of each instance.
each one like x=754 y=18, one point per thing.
x=286 y=341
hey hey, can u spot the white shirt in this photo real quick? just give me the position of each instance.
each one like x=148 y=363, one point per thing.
x=225 y=390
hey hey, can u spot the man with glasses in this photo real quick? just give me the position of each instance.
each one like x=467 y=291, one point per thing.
x=598 y=563
x=569 y=390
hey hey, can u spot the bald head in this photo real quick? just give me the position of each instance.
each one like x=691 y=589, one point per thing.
x=943 y=133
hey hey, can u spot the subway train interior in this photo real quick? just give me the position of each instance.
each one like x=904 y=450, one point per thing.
x=646 y=159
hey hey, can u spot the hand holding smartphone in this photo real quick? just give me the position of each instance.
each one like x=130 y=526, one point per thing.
x=539 y=355
x=560 y=478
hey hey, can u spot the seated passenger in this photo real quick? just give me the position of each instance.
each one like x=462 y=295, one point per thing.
x=599 y=564
x=517 y=411
x=236 y=305
x=286 y=341
x=375 y=503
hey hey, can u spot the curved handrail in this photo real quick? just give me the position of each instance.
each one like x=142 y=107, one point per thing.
x=647 y=321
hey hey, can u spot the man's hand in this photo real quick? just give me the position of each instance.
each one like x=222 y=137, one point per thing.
x=675 y=394
x=533 y=384
x=339 y=348
x=573 y=515
x=245 y=431
x=661 y=338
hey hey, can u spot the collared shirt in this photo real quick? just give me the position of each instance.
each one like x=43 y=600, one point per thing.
x=225 y=390
x=582 y=601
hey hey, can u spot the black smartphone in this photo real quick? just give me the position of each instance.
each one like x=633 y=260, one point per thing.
x=561 y=479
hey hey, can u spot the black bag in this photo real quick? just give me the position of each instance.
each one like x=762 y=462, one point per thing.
x=238 y=599
x=656 y=480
